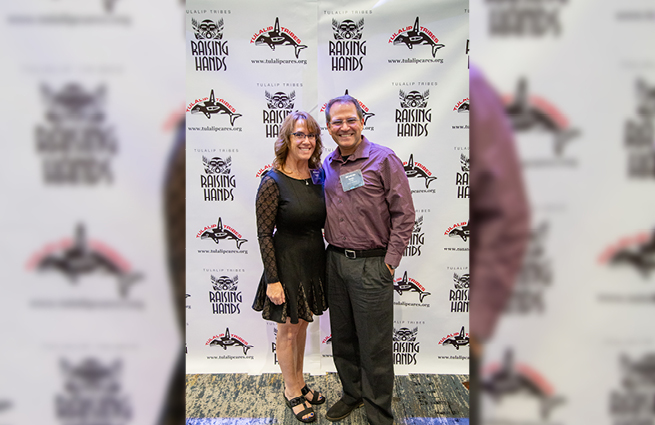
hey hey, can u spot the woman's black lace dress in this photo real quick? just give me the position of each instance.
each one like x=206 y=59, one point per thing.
x=295 y=254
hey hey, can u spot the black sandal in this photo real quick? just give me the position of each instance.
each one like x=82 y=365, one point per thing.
x=316 y=399
x=295 y=402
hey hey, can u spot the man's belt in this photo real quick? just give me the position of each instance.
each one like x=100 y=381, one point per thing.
x=353 y=253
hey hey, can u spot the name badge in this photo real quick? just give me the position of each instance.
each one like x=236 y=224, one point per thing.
x=316 y=176
x=352 y=180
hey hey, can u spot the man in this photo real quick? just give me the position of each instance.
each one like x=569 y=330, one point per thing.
x=370 y=218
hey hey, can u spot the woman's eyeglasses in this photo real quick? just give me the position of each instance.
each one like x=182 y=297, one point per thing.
x=302 y=136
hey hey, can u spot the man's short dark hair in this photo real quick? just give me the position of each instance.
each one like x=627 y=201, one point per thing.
x=343 y=99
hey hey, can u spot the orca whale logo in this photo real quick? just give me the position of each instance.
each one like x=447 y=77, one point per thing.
x=462 y=232
x=415 y=37
x=210 y=107
x=528 y=115
x=228 y=341
x=81 y=259
x=642 y=258
x=457 y=341
x=509 y=379
x=277 y=38
x=413 y=171
x=406 y=285
x=218 y=233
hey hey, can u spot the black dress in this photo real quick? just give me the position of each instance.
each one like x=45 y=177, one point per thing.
x=295 y=254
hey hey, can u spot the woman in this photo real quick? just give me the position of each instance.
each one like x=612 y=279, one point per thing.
x=290 y=200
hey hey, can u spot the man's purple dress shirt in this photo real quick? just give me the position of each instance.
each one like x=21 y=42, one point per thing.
x=379 y=214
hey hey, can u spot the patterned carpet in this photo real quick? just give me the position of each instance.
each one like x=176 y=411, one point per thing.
x=240 y=399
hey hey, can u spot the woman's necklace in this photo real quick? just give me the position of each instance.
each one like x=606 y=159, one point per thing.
x=296 y=175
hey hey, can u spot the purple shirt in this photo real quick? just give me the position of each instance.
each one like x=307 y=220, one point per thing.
x=377 y=215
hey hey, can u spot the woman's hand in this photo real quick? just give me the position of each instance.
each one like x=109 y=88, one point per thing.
x=275 y=293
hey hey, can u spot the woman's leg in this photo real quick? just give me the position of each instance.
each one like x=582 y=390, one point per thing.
x=300 y=356
x=287 y=355
x=301 y=338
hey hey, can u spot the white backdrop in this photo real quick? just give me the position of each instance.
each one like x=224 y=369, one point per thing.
x=250 y=63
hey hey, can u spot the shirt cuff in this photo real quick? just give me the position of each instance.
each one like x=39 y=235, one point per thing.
x=392 y=259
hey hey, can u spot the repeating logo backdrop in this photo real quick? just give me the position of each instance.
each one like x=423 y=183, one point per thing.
x=248 y=66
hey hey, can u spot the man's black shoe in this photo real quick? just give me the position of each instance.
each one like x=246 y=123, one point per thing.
x=340 y=410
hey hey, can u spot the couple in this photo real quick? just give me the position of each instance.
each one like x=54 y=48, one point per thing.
x=362 y=198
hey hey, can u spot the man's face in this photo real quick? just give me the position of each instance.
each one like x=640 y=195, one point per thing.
x=345 y=127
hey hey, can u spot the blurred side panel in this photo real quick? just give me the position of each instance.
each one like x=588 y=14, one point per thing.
x=92 y=94
x=575 y=343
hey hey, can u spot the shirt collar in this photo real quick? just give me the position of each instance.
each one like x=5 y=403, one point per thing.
x=363 y=150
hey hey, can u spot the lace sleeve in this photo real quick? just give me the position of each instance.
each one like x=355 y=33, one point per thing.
x=266 y=210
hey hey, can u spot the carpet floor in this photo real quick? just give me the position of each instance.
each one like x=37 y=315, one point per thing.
x=241 y=399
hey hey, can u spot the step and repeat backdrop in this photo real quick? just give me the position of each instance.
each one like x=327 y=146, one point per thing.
x=249 y=64
x=576 y=342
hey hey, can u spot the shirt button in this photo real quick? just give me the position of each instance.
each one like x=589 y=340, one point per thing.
x=341 y=219
x=344 y=238
x=339 y=201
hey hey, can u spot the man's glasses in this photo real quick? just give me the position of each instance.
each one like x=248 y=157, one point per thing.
x=302 y=136
x=350 y=121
